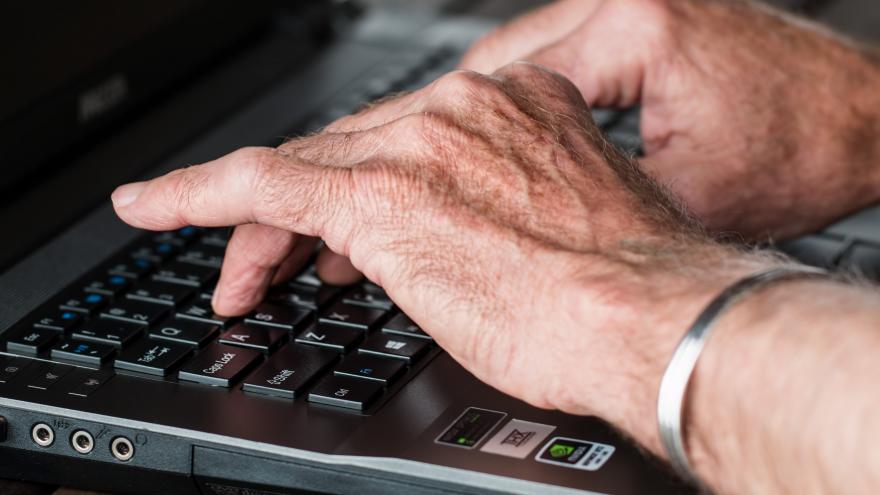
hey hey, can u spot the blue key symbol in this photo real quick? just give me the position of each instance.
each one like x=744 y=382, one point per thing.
x=67 y=315
x=94 y=298
x=366 y=371
x=163 y=248
x=117 y=280
x=187 y=231
x=142 y=263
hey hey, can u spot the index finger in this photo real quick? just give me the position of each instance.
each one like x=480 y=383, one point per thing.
x=250 y=185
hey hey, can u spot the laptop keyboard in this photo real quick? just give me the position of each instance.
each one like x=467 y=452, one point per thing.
x=147 y=312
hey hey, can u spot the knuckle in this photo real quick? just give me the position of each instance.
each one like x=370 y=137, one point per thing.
x=186 y=186
x=463 y=84
x=257 y=165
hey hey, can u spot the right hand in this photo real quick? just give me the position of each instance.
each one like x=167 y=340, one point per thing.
x=763 y=124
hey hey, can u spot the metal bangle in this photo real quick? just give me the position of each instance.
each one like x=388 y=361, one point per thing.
x=674 y=385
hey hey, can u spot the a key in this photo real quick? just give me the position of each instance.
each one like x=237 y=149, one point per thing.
x=402 y=325
x=46 y=374
x=130 y=267
x=135 y=312
x=192 y=333
x=342 y=391
x=216 y=237
x=351 y=316
x=368 y=296
x=178 y=238
x=219 y=365
x=203 y=254
x=152 y=357
x=177 y=272
x=109 y=286
x=383 y=371
x=10 y=367
x=201 y=311
x=87 y=381
x=394 y=346
x=341 y=339
x=287 y=318
x=289 y=371
x=83 y=302
x=263 y=339
x=105 y=331
x=309 y=276
x=156 y=252
x=83 y=352
x=303 y=296
x=160 y=293
x=60 y=321
x=31 y=340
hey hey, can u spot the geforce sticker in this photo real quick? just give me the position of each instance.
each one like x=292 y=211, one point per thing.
x=471 y=427
x=573 y=453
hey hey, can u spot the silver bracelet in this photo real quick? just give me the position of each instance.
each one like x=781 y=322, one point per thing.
x=674 y=385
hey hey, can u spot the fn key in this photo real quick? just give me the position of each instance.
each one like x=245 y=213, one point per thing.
x=349 y=393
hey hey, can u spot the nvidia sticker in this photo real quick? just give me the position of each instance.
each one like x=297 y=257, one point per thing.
x=573 y=453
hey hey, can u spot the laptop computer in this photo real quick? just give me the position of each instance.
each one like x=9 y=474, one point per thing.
x=115 y=374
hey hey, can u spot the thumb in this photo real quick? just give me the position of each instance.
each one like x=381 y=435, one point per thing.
x=607 y=57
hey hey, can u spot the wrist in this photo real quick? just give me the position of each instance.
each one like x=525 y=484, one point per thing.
x=639 y=312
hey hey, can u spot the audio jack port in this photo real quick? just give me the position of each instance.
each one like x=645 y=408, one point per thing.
x=122 y=449
x=43 y=434
x=82 y=442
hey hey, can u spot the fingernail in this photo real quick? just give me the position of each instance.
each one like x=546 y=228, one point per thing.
x=127 y=194
x=215 y=297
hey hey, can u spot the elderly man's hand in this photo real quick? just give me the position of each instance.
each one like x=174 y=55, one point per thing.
x=494 y=213
x=764 y=124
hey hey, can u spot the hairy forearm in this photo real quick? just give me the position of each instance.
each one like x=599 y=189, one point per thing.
x=784 y=399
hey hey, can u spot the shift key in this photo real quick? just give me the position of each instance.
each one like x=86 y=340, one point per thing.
x=219 y=365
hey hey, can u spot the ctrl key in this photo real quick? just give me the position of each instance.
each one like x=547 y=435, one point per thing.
x=349 y=393
x=219 y=365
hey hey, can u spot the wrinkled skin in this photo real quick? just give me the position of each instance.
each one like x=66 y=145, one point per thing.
x=764 y=125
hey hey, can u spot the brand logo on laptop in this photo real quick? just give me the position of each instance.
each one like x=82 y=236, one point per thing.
x=102 y=98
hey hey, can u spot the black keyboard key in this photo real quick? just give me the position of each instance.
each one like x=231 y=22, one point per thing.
x=160 y=293
x=289 y=371
x=84 y=302
x=109 y=285
x=130 y=267
x=863 y=258
x=303 y=296
x=351 y=316
x=177 y=272
x=203 y=254
x=83 y=352
x=10 y=367
x=395 y=347
x=156 y=252
x=217 y=237
x=135 y=312
x=350 y=393
x=192 y=333
x=203 y=312
x=31 y=340
x=263 y=339
x=45 y=375
x=272 y=315
x=60 y=321
x=309 y=276
x=178 y=238
x=219 y=365
x=384 y=371
x=87 y=381
x=402 y=325
x=341 y=339
x=368 y=296
x=151 y=357
x=105 y=331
